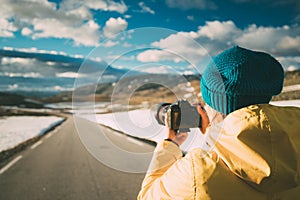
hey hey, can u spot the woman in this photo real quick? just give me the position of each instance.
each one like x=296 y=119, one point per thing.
x=255 y=146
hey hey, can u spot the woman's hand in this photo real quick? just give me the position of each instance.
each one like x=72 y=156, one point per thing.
x=205 y=119
x=178 y=138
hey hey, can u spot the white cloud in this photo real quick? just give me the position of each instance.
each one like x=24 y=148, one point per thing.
x=188 y=72
x=156 y=69
x=82 y=12
x=7 y=28
x=33 y=68
x=216 y=36
x=13 y=87
x=191 y=4
x=15 y=60
x=24 y=67
x=126 y=44
x=107 y=5
x=26 y=10
x=114 y=26
x=290 y=63
x=288 y=43
x=216 y=30
x=26 y=31
x=42 y=19
x=78 y=56
x=132 y=57
x=97 y=59
x=146 y=9
x=119 y=67
x=27 y=50
x=8 y=48
x=110 y=43
x=50 y=63
x=177 y=47
x=24 y=75
x=58 y=88
x=155 y=55
x=116 y=58
x=42 y=51
x=280 y=41
x=86 y=34
x=68 y=75
x=47 y=21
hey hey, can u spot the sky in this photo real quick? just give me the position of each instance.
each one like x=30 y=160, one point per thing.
x=151 y=35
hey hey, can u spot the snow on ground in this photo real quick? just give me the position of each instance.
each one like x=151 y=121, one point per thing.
x=15 y=130
x=287 y=103
x=139 y=123
x=142 y=124
x=291 y=88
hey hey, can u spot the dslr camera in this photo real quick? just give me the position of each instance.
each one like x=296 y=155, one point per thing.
x=181 y=115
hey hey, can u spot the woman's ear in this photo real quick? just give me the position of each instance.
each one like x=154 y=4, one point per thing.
x=213 y=115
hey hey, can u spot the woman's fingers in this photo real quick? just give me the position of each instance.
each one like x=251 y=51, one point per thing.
x=204 y=118
x=171 y=133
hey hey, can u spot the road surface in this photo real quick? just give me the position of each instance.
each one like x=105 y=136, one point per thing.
x=59 y=167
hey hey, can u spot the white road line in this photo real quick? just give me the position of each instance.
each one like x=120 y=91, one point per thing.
x=36 y=144
x=48 y=135
x=134 y=141
x=11 y=163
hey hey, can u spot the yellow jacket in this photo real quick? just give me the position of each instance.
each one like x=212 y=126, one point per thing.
x=259 y=147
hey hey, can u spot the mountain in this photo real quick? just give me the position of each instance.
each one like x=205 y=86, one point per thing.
x=155 y=88
x=290 y=78
x=152 y=88
x=9 y=99
x=45 y=57
x=46 y=74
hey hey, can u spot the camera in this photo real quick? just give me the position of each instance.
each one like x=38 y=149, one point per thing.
x=181 y=115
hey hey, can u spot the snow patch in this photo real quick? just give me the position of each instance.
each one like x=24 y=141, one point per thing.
x=18 y=129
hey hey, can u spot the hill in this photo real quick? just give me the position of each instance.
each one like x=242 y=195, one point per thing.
x=10 y=99
x=133 y=90
x=156 y=88
x=291 y=78
x=38 y=74
x=152 y=88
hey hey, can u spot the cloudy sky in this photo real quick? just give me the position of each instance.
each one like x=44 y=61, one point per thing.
x=151 y=35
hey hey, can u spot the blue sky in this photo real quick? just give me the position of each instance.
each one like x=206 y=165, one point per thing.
x=184 y=33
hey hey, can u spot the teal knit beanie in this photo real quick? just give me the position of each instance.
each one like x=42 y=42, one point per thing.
x=239 y=77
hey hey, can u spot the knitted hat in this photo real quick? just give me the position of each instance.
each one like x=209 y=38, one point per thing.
x=240 y=77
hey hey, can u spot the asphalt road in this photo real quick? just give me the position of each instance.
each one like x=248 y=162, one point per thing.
x=59 y=166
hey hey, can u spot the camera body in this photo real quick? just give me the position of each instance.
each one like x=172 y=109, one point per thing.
x=181 y=115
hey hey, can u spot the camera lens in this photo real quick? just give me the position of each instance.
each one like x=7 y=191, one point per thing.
x=162 y=109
